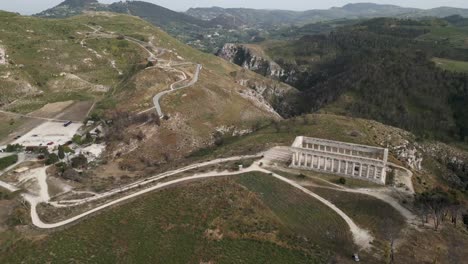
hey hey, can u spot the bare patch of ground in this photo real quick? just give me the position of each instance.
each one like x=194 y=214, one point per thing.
x=76 y=112
x=52 y=109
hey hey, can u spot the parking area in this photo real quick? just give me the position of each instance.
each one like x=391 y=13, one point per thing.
x=49 y=132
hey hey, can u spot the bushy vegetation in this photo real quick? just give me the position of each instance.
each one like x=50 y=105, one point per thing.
x=439 y=204
x=8 y=161
x=14 y=148
x=378 y=70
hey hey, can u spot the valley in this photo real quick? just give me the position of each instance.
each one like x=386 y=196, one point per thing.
x=131 y=133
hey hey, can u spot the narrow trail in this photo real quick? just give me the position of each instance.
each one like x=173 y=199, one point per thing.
x=172 y=87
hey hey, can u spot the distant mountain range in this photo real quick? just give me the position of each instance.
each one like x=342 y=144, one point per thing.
x=266 y=17
x=238 y=17
x=155 y=14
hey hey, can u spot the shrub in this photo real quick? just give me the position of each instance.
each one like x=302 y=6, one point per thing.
x=77 y=139
x=79 y=161
x=342 y=181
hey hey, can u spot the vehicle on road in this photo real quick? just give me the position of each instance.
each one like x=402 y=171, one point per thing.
x=35 y=135
x=67 y=123
x=50 y=143
x=356 y=258
x=17 y=137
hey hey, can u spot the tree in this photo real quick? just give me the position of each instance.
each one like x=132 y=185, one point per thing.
x=218 y=138
x=79 y=161
x=14 y=148
x=61 y=152
x=434 y=203
x=342 y=181
x=465 y=220
x=77 y=139
x=277 y=126
x=52 y=159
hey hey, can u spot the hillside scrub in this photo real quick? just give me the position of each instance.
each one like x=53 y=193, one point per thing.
x=377 y=70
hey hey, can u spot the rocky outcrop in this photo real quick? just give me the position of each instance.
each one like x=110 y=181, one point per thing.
x=281 y=97
x=453 y=159
x=3 y=56
x=409 y=154
x=251 y=60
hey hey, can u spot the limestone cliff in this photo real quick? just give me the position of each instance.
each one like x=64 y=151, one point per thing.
x=280 y=96
x=252 y=59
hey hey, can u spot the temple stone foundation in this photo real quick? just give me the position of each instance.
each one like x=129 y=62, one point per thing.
x=346 y=159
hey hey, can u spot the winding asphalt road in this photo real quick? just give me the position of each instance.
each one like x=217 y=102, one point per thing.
x=153 y=57
x=157 y=97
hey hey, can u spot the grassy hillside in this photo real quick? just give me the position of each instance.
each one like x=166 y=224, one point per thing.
x=250 y=219
x=62 y=59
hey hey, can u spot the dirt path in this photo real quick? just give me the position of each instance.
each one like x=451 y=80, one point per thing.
x=6 y=185
x=361 y=236
x=382 y=194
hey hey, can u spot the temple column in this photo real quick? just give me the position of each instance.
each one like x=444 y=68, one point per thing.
x=368 y=170
x=339 y=166
x=360 y=170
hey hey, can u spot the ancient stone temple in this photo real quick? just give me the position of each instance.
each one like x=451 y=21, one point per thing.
x=346 y=159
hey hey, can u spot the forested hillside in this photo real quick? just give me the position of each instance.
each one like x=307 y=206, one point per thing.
x=381 y=69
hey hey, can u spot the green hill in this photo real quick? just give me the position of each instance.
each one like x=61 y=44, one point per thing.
x=62 y=59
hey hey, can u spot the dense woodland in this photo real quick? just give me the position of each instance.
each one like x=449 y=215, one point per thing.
x=387 y=74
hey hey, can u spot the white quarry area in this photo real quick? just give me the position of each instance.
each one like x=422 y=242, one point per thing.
x=3 y=56
x=49 y=132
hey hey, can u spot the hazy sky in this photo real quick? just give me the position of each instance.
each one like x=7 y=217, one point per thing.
x=35 y=6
